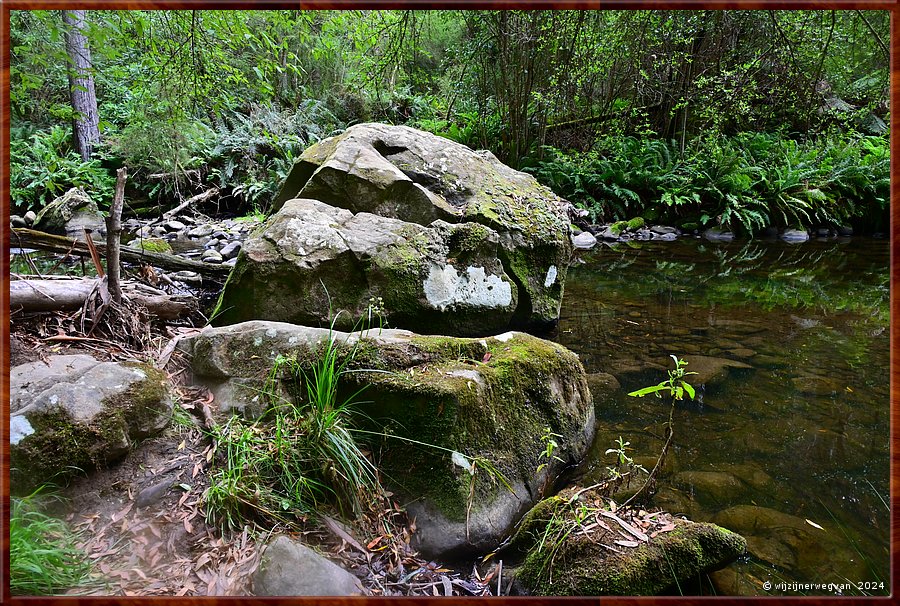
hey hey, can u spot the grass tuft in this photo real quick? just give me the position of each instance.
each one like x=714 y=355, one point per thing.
x=43 y=555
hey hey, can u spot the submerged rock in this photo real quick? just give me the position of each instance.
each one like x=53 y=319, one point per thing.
x=418 y=177
x=447 y=392
x=70 y=214
x=77 y=413
x=311 y=260
x=288 y=568
x=795 y=235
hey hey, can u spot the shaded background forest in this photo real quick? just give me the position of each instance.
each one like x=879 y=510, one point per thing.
x=744 y=119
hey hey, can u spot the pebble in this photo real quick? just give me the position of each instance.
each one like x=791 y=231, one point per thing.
x=174 y=225
x=584 y=241
x=795 y=235
x=718 y=235
x=845 y=230
x=153 y=493
x=201 y=231
x=663 y=230
x=230 y=262
x=231 y=250
x=211 y=256
x=30 y=217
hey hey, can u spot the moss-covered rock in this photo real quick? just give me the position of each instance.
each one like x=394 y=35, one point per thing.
x=564 y=559
x=70 y=214
x=418 y=177
x=489 y=399
x=311 y=260
x=151 y=245
x=63 y=422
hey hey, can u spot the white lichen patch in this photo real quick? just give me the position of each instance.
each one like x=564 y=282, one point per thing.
x=19 y=429
x=551 y=277
x=271 y=333
x=503 y=338
x=445 y=287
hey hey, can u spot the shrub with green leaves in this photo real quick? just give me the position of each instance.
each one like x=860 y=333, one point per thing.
x=43 y=555
x=44 y=166
x=744 y=183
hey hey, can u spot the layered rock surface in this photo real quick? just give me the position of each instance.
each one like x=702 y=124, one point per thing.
x=311 y=260
x=418 y=177
x=74 y=412
x=440 y=391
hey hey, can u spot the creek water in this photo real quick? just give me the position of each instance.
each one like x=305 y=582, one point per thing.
x=789 y=445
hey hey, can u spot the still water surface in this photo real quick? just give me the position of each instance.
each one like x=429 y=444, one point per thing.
x=789 y=445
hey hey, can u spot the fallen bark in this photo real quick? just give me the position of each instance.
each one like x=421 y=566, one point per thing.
x=198 y=199
x=29 y=238
x=37 y=295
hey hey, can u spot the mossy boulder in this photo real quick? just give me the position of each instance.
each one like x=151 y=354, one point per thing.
x=310 y=261
x=70 y=214
x=419 y=177
x=489 y=398
x=151 y=245
x=597 y=557
x=75 y=413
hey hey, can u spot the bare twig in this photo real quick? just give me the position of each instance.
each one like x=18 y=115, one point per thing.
x=113 y=236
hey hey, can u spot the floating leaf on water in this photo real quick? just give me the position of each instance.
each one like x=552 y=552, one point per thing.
x=813 y=524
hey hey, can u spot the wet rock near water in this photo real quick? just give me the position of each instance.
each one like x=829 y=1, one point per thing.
x=311 y=259
x=490 y=397
x=402 y=173
x=621 y=552
x=790 y=542
x=70 y=214
x=290 y=568
x=76 y=413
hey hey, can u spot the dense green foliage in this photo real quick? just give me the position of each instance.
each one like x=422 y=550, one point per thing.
x=43 y=556
x=745 y=182
x=641 y=109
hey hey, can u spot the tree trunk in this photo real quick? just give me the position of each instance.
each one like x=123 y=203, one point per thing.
x=28 y=238
x=70 y=294
x=114 y=235
x=81 y=85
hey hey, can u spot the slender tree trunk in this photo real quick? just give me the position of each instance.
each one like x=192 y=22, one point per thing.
x=81 y=85
x=114 y=235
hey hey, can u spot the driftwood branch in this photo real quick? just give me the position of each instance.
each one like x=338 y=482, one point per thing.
x=198 y=199
x=114 y=235
x=65 y=295
x=29 y=238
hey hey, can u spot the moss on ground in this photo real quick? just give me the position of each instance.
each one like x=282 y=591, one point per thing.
x=581 y=566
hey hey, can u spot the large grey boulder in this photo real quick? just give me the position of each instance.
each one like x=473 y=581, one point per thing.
x=289 y=568
x=311 y=260
x=442 y=391
x=75 y=412
x=418 y=177
x=70 y=214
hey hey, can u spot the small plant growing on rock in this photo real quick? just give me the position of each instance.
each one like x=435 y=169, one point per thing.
x=677 y=387
x=550 y=445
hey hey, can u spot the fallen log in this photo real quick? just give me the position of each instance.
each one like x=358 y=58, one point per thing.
x=28 y=238
x=198 y=199
x=38 y=295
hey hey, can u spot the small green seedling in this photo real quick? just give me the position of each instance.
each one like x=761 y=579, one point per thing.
x=675 y=384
